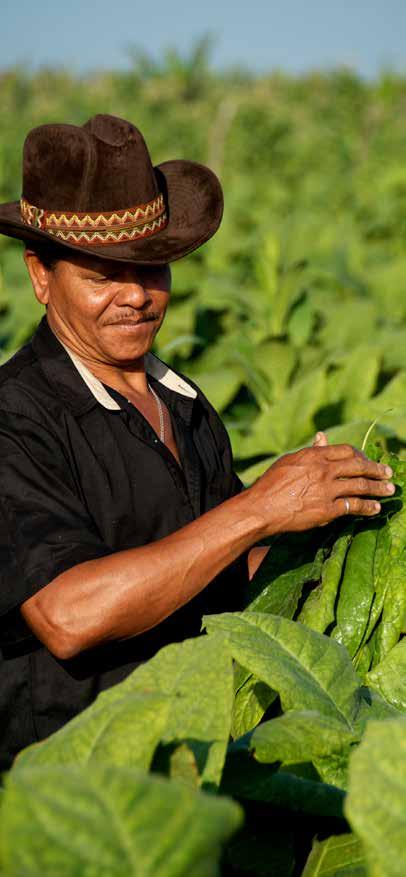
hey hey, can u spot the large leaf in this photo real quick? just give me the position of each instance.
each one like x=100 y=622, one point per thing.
x=376 y=802
x=357 y=590
x=299 y=736
x=288 y=421
x=388 y=407
x=252 y=699
x=363 y=362
x=275 y=588
x=123 y=731
x=277 y=360
x=318 y=611
x=219 y=387
x=302 y=737
x=292 y=561
x=197 y=677
x=103 y=821
x=309 y=671
x=389 y=677
x=246 y=779
x=373 y=706
x=341 y=856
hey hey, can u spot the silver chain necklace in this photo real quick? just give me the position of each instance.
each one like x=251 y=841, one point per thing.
x=160 y=412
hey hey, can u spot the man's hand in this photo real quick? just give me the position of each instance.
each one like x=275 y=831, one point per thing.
x=321 y=440
x=314 y=486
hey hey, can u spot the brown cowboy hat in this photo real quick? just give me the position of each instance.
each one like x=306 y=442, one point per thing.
x=93 y=189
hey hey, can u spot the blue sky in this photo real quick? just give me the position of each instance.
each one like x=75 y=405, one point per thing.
x=293 y=35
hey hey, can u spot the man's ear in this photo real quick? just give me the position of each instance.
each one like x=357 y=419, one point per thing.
x=39 y=275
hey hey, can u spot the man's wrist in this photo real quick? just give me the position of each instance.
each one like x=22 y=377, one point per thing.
x=256 y=526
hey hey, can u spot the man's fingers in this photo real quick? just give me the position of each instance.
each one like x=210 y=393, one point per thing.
x=353 y=505
x=351 y=467
x=340 y=452
x=363 y=487
x=321 y=440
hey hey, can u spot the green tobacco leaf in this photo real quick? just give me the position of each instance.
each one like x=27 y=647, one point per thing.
x=179 y=672
x=343 y=329
x=291 y=562
x=388 y=407
x=373 y=706
x=252 y=699
x=318 y=610
x=376 y=801
x=277 y=360
x=299 y=736
x=363 y=362
x=289 y=421
x=394 y=591
x=341 y=856
x=389 y=677
x=397 y=521
x=104 y=821
x=275 y=589
x=308 y=670
x=183 y=765
x=220 y=387
x=394 y=607
x=354 y=432
x=380 y=579
x=281 y=594
x=123 y=731
x=246 y=779
x=357 y=590
x=177 y=332
x=301 y=323
x=363 y=660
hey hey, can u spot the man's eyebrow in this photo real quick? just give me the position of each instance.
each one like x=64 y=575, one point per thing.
x=94 y=272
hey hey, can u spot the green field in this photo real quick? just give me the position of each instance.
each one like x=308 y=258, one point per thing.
x=293 y=317
x=275 y=746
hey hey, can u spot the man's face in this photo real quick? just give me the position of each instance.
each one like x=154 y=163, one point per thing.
x=109 y=311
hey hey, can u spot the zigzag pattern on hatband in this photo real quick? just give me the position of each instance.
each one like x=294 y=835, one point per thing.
x=115 y=227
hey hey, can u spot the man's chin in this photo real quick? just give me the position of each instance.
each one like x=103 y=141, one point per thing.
x=127 y=346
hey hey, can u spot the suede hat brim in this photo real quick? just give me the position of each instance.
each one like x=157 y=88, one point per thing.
x=194 y=201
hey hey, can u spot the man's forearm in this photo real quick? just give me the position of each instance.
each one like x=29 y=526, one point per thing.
x=131 y=591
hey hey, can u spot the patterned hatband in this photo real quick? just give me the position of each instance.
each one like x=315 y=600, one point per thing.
x=99 y=228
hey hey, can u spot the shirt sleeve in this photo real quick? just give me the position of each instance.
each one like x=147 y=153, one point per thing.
x=45 y=527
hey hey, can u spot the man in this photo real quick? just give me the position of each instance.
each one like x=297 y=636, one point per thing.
x=121 y=519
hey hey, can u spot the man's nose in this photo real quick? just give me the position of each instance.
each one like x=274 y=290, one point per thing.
x=132 y=291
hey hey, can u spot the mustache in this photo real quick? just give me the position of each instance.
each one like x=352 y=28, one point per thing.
x=146 y=318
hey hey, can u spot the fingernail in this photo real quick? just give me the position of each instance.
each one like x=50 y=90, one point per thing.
x=377 y=506
x=388 y=471
x=390 y=488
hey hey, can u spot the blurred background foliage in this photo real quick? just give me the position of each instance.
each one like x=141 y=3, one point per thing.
x=293 y=318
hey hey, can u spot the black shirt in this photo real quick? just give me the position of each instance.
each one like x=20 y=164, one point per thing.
x=83 y=475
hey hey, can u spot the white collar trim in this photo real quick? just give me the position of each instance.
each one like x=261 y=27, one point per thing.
x=153 y=366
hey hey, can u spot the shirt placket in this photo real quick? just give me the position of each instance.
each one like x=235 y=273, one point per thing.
x=188 y=477
x=141 y=429
x=191 y=462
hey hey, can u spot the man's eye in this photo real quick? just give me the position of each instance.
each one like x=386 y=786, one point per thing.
x=106 y=278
